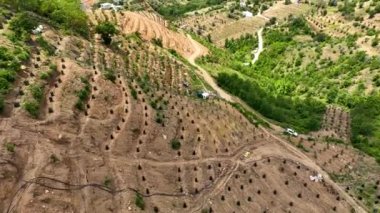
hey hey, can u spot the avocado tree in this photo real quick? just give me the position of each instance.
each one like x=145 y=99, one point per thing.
x=106 y=30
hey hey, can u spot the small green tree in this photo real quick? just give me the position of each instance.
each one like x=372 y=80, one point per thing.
x=106 y=30
x=107 y=182
x=139 y=201
x=10 y=147
x=175 y=144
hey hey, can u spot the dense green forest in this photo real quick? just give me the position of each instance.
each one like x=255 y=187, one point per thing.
x=365 y=125
x=65 y=14
x=303 y=114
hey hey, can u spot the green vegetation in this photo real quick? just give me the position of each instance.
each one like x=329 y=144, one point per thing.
x=174 y=9
x=133 y=93
x=22 y=25
x=54 y=158
x=254 y=119
x=48 y=48
x=106 y=30
x=139 y=201
x=107 y=182
x=37 y=92
x=32 y=103
x=65 y=14
x=10 y=62
x=32 y=107
x=48 y=74
x=157 y=41
x=303 y=114
x=83 y=94
x=175 y=144
x=365 y=126
x=10 y=147
x=109 y=74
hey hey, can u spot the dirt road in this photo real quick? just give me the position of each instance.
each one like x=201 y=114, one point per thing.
x=260 y=47
x=206 y=76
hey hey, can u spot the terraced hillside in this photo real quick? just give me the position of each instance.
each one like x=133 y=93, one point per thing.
x=90 y=127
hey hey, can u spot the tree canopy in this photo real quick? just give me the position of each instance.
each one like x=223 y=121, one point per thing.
x=106 y=30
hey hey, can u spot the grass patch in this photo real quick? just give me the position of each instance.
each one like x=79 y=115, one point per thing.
x=46 y=46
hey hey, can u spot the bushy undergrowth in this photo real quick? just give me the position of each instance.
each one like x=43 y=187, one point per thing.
x=66 y=14
x=10 y=62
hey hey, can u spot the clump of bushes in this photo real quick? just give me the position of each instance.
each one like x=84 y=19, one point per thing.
x=32 y=104
x=83 y=94
x=66 y=14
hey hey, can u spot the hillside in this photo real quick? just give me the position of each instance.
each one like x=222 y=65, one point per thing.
x=105 y=111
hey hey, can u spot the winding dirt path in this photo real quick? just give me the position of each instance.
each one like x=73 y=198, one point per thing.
x=206 y=76
x=260 y=47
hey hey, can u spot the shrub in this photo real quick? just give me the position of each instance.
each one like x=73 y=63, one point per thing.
x=134 y=93
x=110 y=75
x=44 y=75
x=32 y=107
x=175 y=144
x=10 y=147
x=50 y=49
x=139 y=201
x=37 y=92
x=375 y=42
x=23 y=25
x=8 y=75
x=54 y=158
x=107 y=182
x=157 y=41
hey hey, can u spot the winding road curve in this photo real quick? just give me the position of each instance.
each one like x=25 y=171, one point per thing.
x=206 y=76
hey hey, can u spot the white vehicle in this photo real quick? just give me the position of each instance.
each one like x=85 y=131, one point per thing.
x=291 y=132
